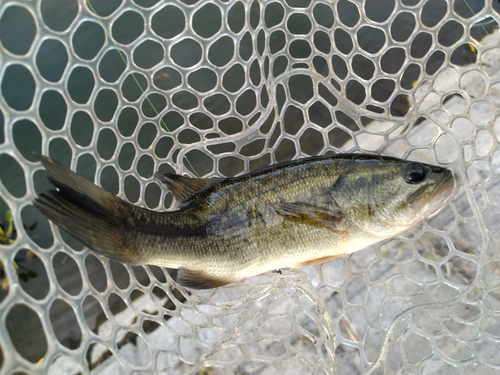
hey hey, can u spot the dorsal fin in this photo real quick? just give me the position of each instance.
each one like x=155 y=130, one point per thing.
x=183 y=187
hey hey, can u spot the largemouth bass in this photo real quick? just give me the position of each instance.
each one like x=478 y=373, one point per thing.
x=286 y=215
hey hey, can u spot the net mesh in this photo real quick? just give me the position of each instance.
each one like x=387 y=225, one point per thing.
x=118 y=89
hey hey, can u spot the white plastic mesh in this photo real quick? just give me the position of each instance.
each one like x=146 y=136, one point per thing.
x=240 y=85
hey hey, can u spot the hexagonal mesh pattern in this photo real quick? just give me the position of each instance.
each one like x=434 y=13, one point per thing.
x=119 y=89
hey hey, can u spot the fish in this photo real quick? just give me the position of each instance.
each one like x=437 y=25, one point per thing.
x=286 y=215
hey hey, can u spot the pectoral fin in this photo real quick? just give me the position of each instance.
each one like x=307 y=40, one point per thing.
x=199 y=279
x=183 y=187
x=311 y=214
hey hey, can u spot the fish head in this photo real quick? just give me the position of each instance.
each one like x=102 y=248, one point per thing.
x=386 y=197
x=430 y=194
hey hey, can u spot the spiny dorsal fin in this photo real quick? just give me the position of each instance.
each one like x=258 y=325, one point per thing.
x=183 y=187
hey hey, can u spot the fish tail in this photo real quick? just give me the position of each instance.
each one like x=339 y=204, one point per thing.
x=89 y=213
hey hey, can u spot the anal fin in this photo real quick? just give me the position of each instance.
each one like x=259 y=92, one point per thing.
x=196 y=279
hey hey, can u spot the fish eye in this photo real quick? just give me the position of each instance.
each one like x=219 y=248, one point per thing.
x=415 y=173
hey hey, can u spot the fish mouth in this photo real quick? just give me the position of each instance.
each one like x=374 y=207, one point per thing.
x=430 y=198
x=444 y=189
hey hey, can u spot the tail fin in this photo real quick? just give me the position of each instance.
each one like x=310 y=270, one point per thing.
x=89 y=213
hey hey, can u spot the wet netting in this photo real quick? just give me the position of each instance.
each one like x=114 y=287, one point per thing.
x=119 y=89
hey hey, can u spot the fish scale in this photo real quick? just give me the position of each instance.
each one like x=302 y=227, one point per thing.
x=286 y=215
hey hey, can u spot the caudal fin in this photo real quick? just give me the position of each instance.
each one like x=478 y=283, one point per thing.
x=89 y=213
